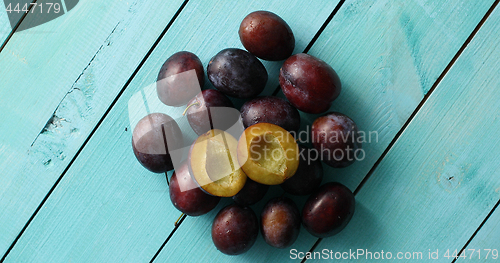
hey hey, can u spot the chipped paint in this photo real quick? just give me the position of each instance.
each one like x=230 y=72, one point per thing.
x=18 y=57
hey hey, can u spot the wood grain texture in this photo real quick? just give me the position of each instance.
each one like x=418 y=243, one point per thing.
x=107 y=207
x=5 y=28
x=485 y=241
x=441 y=178
x=386 y=55
x=32 y=13
x=57 y=81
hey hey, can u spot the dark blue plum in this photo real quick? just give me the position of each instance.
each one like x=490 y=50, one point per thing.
x=237 y=73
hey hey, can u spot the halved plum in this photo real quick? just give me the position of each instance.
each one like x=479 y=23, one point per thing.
x=268 y=154
x=214 y=165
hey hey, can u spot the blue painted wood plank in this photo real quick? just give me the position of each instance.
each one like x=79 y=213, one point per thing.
x=5 y=28
x=9 y=19
x=389 y=62
x=107 y=207
x=441 y=178
x=485 y=246
x=388 y=55
x=32 y=13
x=57 y=80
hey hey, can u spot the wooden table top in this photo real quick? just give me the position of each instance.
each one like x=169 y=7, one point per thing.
x=421 y=75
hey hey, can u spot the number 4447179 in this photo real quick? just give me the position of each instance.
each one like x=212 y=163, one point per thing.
x=472 y=253
x=34 y=7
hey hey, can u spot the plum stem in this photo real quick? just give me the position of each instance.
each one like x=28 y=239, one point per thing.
x=177 y=221
x=189 y=106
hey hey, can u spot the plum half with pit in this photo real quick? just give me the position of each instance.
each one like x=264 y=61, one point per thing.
x=268 y=154
x=267 y=36
x=187 y=197
x=309 y=83
x=336 y=137
x=210 y=109
x=328 y=210
x=235 y=229
x=214 y=165
x=153 y=138
x=280 y=222
x=237 y=73
x=273 y=110
x=309 y=174
x=180 y=78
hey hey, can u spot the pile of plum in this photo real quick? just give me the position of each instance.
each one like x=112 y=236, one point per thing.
x=242 y=166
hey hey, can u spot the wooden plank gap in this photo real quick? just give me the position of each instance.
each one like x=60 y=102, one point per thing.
x=322 y=28
x=168 y=238
x=312 y=249
x=93 y=130
x=63 y=3
x=439 y=79
x=426 y=96
x=477 y=231
x=16 y=27
x=316 y=36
